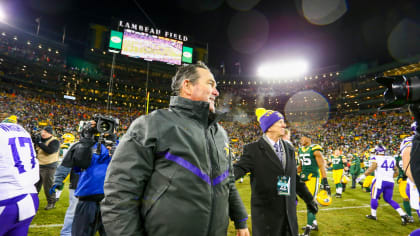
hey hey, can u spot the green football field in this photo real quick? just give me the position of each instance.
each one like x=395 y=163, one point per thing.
x=345 y=216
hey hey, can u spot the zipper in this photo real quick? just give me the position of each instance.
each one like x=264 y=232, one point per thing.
x=211 y=177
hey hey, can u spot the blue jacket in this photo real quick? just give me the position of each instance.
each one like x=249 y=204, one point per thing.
x=92 y=179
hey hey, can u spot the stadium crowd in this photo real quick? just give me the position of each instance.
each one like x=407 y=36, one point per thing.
x=15 y=46
x=351 y=132
x=35 y=111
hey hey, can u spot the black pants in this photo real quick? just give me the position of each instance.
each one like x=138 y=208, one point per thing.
x=46 y=179
x=353 y=179
x=87 y=219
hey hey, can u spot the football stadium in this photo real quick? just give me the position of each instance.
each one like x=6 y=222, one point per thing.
x=209 y=118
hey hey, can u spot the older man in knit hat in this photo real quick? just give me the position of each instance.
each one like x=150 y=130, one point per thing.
x=274 y=180
x=47 y=147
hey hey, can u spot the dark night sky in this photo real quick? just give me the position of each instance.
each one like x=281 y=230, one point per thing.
x=366 y=31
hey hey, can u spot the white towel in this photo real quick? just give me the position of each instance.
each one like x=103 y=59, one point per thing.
x=379 y=180
x=414 y=195
x=26 y=208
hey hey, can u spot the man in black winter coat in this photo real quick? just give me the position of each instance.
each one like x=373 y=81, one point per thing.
x=274 y=182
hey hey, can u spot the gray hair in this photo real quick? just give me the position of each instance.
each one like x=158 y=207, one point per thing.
x=186 y=72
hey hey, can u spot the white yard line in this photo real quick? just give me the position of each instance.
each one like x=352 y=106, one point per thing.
x=338 y=208
x=46 y=226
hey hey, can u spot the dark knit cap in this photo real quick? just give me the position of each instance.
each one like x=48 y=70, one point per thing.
x=48 y=129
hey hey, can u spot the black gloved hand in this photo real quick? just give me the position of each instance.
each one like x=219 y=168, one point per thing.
x=325 y=186
x=88 y=131
x=37 y=138
x=312 y=207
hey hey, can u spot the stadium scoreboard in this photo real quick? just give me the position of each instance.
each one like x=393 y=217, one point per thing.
x=147 y=43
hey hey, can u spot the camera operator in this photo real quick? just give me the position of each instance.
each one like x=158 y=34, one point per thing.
x=90 y=158
x=414 y=164
x=411 y=162
x=403 y=90
x=47 y=147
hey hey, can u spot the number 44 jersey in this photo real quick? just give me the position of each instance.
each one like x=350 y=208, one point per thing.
x=385 y=167
x=19 y=169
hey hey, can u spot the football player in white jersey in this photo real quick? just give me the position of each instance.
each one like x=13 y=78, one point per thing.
x=19 y=171
x=385 y=171
x=411 y=190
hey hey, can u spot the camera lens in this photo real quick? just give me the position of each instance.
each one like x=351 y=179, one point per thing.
x=104 y=127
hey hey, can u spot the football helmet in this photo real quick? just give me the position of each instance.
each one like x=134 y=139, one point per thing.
x=68 y=138
x=414 y=127
x=344 y=179
x=380 y=150
x=11 y=119
x=323 y=198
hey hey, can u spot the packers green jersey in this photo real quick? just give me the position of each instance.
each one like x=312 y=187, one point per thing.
x=337 y=162
x=398 y=161
x=355 y=161
x=63 y=149
x=368 y=160
x=355 y=165
x=308 y=161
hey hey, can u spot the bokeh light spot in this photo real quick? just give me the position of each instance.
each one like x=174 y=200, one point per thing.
x=323 y=12
x=242 y=5
x=248 y=31
x=307 y=111
x=404 y=40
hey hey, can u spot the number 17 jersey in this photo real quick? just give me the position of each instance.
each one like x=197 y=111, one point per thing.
x=19 y=169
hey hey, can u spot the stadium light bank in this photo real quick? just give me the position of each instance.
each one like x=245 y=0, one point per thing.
x=289 y=70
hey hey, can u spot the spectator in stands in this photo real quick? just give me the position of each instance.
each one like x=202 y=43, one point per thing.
x=47 y=147
x=171 y=173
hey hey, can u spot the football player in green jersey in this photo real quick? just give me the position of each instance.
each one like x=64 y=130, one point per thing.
x=311 y=162
x=368 y=180
x=338 y=161
x=402 y=185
